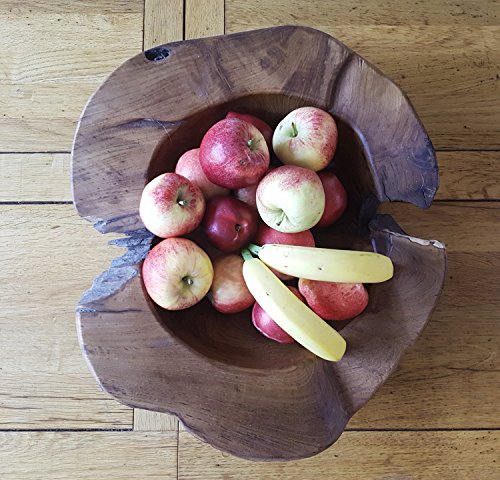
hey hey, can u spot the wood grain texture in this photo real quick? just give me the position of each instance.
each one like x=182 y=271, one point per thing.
x=456 y=223
x=469 y=175
x=148 y=421
x=445 y=56
x=46 y=177
x=163 y=22
x=87 y=455
x=359 y=455
x=38 y=177
x=74 y=47
x=45 y=382
x=204 y=19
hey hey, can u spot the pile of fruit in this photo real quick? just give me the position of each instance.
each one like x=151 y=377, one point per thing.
x=257 y=218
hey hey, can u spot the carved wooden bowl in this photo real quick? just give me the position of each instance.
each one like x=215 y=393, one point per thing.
x=228 y=384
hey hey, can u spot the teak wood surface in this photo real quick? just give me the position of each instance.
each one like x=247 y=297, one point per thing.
x=438 y=414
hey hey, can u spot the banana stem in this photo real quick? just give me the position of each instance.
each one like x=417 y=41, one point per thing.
x=245 y=253
x=255 y=249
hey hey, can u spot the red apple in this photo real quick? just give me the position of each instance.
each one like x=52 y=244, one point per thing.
x=263 y=127
x=177 y=273
x=306 y=137
x=267 y=326
x=234 y=154
x=171 y=205
x=267 y=234
x=334 y=301
x=291 y=199
x=247 y=195
x=229 y=292
x=335 y=199
x=189 y=166
x=229 y=223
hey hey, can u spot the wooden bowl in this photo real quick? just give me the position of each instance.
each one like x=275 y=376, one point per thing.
x=228 y=384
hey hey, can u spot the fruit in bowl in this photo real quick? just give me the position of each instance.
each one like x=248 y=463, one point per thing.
x=177 y=273
x=229 y=223
x=234 y=154
x=171 y=205
x=291 y=199
x=229 y=292
x=191 y=361
x=306 y=137
x=189 y=166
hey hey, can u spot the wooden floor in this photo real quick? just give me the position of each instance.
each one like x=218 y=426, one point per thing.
x=438 y=417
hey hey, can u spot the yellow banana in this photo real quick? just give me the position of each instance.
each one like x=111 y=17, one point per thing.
x=325 y=264
x=293 y=316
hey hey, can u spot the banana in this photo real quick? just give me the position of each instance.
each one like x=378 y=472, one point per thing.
x=293 y=316
x=325 y=264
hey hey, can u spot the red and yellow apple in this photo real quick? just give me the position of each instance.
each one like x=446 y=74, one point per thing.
x=334 y=301
x=177 y=273
x=189 y=167
x=306 y=137
x=171 y=205
x=335 y=199
x=264 y=128
x=229 y=292
x=291 y=199
x=234 y=154
x=229 y=223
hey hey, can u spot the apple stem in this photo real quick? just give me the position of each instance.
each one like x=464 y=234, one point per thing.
x=182 y=203
x=280 y=221
x=245 y=253
x=252 y=144
x=255 y=249
x=295 y=132
x=187 y=280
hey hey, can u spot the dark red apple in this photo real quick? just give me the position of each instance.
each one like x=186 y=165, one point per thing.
x=266 y=234
x=234 y=154
x=335 y=199
x=229 y=223
x=334 y=301
x=267 y=326
x=263 y=127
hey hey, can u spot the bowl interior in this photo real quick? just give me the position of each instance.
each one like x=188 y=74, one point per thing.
x=232 y=339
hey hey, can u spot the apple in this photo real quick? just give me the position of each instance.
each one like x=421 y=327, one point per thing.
x=229 y=223
x=234 y=154
x=171 y=205
x=335 y=199
x=267 y=326
x=266 y=234
x=229 y=292
x=264 y=128
x=306 y=137
x=334 y=301
x=291 y=199
x=177 y=273
x=189 y=167
x=248 y=194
